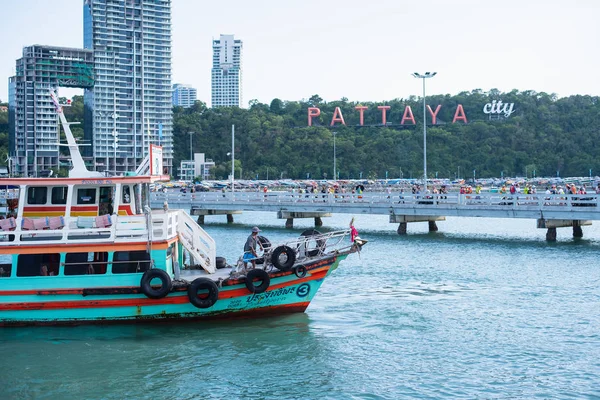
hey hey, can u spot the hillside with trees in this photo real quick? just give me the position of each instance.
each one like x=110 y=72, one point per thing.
x=545 y=135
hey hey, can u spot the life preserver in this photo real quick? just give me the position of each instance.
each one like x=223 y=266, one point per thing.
x=266 y=246
x=208 y=299
x=288 y=255
x=257 y=274
x=320 y=243
x=152 y=292
x=300 y=271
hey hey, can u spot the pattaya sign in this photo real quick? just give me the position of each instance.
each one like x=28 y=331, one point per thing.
x=408 y=118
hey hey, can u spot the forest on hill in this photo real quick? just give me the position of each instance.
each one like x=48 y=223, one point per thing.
x=544 y=135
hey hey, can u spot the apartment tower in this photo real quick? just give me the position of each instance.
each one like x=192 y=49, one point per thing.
x=226 y=79
x=129 y=106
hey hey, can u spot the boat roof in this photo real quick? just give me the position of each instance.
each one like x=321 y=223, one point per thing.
x=109 y=180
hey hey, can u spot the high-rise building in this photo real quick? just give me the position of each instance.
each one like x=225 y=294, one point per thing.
x=227 y=72
x=129 y=106
x=184 y=95
x=34 y=134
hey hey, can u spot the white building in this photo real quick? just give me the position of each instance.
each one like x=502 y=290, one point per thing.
x=200 y=166
x=184 y=95
x=227 y=72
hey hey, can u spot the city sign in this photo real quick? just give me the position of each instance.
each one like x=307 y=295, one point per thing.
x=408 y=117
x=496 y=107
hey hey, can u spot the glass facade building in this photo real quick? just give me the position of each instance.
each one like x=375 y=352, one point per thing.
x=184 y=95
x=130 y=105
x=226 y=79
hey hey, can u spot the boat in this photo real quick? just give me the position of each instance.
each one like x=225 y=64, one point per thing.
x=88 y=249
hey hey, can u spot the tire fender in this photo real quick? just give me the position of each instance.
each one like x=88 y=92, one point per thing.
x=260 y=275
x=288 y=255
x=203 y=284
x=152 y=292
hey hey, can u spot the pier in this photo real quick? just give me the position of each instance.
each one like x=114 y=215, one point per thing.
x=549 y=211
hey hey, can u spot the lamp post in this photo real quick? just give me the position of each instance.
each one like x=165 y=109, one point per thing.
x=232 y=158
x=191 y=153
x=424 y=76
x=334 y=166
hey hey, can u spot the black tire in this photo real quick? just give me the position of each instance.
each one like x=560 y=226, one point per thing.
x=266 y=245
x=260 y=275
x=320 y=243
x=203 y=284
x=300 y=271
x=220 y=262
x=289 y=258
x=152 y=292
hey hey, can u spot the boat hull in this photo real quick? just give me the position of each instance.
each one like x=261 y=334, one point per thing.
x=287 y=293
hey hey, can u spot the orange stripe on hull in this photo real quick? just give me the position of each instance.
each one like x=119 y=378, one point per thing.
x=129 y=302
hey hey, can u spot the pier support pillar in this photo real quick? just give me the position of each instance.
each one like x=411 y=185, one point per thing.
x=202 y=212
x=551 y=235
x=552 y=224
x=200 y=219
x=403 y=220
x=402 y=228
x=230 y=218
x=577 y=231
x=290 y=215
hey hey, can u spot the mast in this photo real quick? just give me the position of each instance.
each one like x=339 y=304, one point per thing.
x=79 y=169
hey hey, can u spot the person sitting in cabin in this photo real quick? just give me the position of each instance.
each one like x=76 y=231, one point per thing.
x=44 y=271
x=250 y=248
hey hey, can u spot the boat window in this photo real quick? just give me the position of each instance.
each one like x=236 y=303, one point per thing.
x=126 y=194
x=38 y=264
x=59 y=195
x=86 y=263
x=86 y=196
x=129 y=262
x=36 y=195
x=5 y=270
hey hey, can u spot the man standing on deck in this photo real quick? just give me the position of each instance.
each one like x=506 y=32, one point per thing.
x=250 y=248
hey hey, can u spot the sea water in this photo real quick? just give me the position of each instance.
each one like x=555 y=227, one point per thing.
x=484 y=308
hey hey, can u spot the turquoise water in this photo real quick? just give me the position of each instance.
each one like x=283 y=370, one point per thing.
x=484 y=308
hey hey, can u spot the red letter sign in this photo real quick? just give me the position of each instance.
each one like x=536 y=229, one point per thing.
x=408 y=115
x=313 y=112
x=383 y=113
x=434 y=114
x=337 y=117
x=460 y=114
x=361 y=110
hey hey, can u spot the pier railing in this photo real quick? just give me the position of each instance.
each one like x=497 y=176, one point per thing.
x=538 y=205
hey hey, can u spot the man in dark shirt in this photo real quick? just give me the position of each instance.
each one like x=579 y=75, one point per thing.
x=250 y=248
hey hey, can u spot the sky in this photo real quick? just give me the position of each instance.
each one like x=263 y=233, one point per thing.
x=360 y=50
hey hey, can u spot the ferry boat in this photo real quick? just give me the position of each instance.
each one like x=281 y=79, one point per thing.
x=88 y=249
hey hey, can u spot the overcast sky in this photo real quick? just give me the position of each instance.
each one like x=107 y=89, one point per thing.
x=362 y=50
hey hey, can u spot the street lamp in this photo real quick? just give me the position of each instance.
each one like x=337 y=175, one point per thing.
x=232 y=158
x=191 y=154
x=334 y=175
x=424 y=76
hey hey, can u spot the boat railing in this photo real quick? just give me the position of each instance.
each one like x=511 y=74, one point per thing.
x=113 y=228
x=318 y=245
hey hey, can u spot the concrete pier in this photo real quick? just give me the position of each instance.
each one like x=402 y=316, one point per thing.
x=552 y=224
x=403 y=220
x=201 y=213
x=290 y=215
